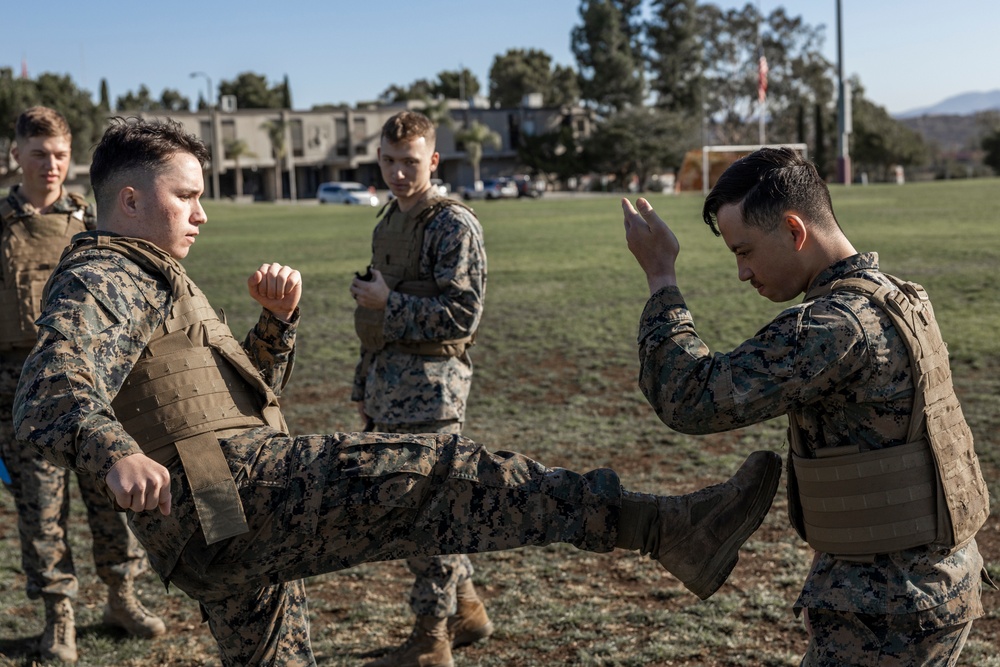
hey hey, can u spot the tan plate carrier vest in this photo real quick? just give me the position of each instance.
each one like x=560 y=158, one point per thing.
x=30 y=246
x=397 y=256
x=928 y=491
x=192 y=380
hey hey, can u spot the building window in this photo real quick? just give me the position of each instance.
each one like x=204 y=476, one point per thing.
x=298 y=141
x=360 y=136
x=228 y=132
x=340 y=135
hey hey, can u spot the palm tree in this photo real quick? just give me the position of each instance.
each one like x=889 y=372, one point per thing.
x=276 y=133
x=235 y=149
x=474 y=137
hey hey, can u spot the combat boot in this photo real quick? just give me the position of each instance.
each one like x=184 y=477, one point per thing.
x=58 y=640
x=697 y=537
x=124 y=610
x=429 y=645
x=470 y=622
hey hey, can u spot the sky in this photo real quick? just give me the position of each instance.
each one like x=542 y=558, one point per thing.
x=907 y=53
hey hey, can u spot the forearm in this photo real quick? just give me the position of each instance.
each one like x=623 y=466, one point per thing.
x=271 y=347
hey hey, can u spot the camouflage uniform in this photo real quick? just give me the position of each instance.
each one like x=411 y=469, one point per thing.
x=40 y=489
x=839 y=365
x=314 y=504
x=409 y=393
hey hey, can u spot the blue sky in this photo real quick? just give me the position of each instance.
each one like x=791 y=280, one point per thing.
x=908 y=53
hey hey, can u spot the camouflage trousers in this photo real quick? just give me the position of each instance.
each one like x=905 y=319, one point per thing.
x=838 y=638
x=41 y=496
x=436 y=577
x=323 y=503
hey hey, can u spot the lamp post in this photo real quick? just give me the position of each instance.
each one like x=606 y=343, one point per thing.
x=211 y=133
x=843 y=112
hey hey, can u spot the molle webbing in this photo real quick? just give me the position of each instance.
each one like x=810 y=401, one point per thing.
x=930 y=490
x=398 y=242
x=894 y=490
x=31 y=246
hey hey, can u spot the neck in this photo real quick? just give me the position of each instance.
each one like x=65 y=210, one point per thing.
x=407 y=203
x=42 y=200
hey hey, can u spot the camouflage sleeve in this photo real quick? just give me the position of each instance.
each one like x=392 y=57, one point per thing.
x=95 y=324
x=271 y=347
x=457 y=262
x=804 y=352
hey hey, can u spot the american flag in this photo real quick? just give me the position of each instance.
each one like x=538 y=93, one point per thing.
x=761 y=78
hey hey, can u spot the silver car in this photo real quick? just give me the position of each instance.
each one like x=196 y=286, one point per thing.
x=346 y=192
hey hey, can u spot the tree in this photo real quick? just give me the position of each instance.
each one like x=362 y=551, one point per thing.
x=879 y=141
x=286 y=94
x=990 y=143
x=639 y=142
x=276 y=133
x=551 y=154
x=172 y=100
x=609 y=61
x=138 y=101
x=236 y=149
x=105 y=103
x=474 y=138
x=457 y=84
x=797 y=72
x=676 y=55
x=252 y=92
x=520 y=72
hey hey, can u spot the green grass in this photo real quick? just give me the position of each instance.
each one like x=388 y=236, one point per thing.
x=555 y=378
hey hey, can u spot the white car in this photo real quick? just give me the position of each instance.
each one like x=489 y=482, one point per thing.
x=346 y=192
x=493 y=188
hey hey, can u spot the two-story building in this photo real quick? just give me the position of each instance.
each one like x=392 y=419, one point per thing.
x=286 y=154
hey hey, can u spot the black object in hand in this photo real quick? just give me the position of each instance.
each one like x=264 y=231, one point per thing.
x=368 y=277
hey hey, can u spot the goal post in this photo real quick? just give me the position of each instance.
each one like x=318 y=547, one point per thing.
x=740 y=150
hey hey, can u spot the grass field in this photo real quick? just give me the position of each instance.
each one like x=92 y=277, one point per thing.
x=555 y=379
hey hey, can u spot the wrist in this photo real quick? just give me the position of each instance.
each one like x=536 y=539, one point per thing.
x=658 y=282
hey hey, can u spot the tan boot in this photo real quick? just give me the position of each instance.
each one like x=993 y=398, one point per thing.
x=429 y=645
x=58 y=641
x=124 y=610
x=697 y=537
x=470 y=622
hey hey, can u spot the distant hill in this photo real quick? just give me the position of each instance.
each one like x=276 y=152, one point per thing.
x=958 y=105
x=951 y=133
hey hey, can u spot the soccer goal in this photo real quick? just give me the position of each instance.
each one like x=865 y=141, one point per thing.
x=725 y=155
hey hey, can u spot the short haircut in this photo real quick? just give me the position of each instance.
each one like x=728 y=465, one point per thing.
x=407 y=126
x=137 y=145
x=41 y=122
x=766 y=185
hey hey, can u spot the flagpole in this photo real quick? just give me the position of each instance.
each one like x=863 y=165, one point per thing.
x=761 y=82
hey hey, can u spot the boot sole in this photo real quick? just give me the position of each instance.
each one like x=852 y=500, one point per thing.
x=725 y=559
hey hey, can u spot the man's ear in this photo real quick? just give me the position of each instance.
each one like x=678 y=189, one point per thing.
x=797 y=229
x=129 y=201
x=14 y=153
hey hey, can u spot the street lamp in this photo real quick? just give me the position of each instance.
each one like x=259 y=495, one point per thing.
x=211 y=133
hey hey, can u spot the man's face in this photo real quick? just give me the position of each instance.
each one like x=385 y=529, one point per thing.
x=169 y=210
x=768 y=260
x=44 y=162
x=407 y=166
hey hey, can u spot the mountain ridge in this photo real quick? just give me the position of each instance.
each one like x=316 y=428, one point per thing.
x=957 y=105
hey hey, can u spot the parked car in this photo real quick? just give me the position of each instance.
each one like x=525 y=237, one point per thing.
x=346 y=192
x=493 y=188
x=528 y=186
